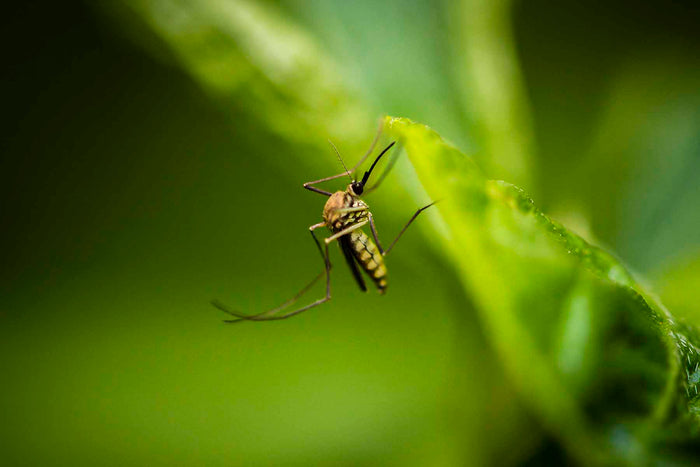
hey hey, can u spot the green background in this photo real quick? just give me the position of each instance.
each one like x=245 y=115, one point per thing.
x=134 y=191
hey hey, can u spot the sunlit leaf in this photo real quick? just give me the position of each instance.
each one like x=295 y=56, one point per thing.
x=603 y=363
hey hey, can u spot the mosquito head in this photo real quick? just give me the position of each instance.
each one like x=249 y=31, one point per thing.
x=357 y=188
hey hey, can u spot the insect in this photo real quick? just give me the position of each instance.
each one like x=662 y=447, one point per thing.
x=344 y=214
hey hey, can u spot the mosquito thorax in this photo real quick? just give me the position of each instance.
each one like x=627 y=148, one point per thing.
x=335 y=218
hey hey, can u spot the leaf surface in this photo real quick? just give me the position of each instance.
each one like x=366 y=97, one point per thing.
x=604 y=364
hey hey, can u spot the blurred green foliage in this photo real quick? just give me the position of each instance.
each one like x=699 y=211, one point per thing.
x=154 y=153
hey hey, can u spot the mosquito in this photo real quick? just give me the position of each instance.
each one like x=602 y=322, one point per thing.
x=345 y=215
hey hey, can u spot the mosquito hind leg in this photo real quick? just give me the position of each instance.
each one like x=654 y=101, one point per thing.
x=271 y=315
x=242 y=317
x=373 y=228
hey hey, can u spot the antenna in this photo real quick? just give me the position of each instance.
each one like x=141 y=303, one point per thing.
x=337 y=153
x=366 y=176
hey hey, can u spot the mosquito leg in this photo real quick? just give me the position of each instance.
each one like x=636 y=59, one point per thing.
x=242 y=317
x=266 y=317
x=302 y=309
x=272 y=314
x=318 y=244
x=374 y=233
x=309 y=185
x=345 y=210
x=376 y=237
x=345 y=231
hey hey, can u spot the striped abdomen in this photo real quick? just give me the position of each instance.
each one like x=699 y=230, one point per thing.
x=369 y=258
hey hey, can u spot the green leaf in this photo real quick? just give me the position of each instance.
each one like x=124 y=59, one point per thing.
x=604 y=365
x=491 y=85
x=679 y=285
x=251 y=56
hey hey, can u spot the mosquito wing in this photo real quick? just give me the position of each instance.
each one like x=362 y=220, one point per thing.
x=346 y=247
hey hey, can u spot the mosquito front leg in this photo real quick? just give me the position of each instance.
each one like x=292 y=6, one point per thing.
x=309 y=185
x=348 y=173
x=271 y=315
x=345 y=231
x=376 y=237
x=346 y=210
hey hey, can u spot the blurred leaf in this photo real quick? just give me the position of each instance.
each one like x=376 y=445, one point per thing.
x=251 y=56
x=602 y=362
x=617 y=122
x=399 y=57
x=492 y=87
x=645 y=160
